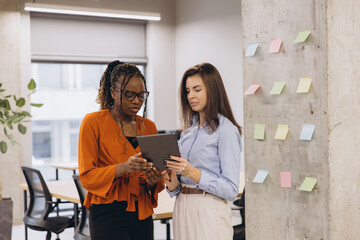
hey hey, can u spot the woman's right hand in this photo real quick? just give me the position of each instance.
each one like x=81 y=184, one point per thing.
x=170 y=179
x=137 y=164
x=134 y=164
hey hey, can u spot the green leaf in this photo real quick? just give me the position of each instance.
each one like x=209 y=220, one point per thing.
x=5 y=104
x=18 y=119
x=31 y=85
x=25 y=114
x=36 y=104
x=21 y=128
x=3 y=147
x=20 y=102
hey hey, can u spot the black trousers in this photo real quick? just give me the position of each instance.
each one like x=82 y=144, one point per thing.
x=112 y=221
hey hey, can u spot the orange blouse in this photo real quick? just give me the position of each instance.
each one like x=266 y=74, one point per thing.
x=101 y=147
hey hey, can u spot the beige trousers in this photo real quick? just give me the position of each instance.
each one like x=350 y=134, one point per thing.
x=202 y=217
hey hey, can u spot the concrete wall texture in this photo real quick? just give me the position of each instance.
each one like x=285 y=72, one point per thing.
x=330 y=57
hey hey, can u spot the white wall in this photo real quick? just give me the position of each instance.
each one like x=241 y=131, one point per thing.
x=210 y=31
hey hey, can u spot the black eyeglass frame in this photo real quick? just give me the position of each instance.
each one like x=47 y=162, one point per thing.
x=133 y=95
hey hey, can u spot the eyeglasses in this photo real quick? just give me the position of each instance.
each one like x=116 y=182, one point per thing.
x=130 y=95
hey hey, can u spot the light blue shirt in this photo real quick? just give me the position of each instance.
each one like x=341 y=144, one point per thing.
x=217 y=155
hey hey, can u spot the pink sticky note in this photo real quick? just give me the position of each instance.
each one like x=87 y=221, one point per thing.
x=285 y=179
x=252 y=89
x=275 y=45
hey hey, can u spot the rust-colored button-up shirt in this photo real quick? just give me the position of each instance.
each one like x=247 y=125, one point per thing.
x=101 y=147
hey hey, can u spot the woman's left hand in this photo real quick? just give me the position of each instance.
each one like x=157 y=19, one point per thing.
x=153 y=175
x=179 y=165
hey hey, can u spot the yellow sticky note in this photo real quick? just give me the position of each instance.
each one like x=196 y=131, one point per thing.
x=302 y=36
x=304 y=85
x=282 y=132
x=308 y=184
x=277 y=88
x=259 y=132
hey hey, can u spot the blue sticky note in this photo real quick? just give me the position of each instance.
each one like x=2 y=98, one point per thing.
x=260 y=176
x=307 y=132
x=251 y=49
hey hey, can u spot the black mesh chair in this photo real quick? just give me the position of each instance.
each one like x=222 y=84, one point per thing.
x=82 y=231
x=37 y=216
x=239 y=230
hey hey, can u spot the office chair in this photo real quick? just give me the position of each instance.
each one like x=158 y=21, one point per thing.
x=41 y=205
x=82 y=231
x=239 y=230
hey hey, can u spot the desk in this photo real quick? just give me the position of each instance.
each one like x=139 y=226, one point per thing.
x=66 y=190
x=66 y=166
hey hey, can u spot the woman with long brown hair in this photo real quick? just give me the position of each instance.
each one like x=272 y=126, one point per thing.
x=207 y=173
x=122 y=186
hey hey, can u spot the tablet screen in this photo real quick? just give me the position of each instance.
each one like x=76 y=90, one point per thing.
x=158 y=147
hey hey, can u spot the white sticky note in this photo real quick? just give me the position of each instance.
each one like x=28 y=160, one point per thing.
x=260 y=176
x=307 y=132
x=251 y=49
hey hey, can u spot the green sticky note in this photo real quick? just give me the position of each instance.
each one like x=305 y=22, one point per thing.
x=302 y=36
x=259 y=132
x=277 y=88
x=308 y=184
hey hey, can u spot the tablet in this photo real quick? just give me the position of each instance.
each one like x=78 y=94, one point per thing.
x=158 y=147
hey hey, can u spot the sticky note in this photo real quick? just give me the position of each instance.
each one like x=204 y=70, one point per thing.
x=307 y=132
x=285 y=179
x=277 y=88
x=252 y=89
x=308 y=184
x=304 y=85
x=251 y=49
x=259 y=132
x=282 y=132
x=260 y=176
x=275 y=45
x=302 y=36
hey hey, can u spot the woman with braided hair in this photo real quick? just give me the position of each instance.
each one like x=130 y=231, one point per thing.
x=122 y=186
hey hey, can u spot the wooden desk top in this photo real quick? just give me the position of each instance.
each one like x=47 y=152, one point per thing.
x=66 y=165
x=66 y=190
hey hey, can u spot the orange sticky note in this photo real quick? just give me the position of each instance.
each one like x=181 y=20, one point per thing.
x=275 y=45
x=252 y=89
x=285 y=179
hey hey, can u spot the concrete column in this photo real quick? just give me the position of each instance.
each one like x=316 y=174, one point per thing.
x=343 y=32
x=331 y=58
x=14 y=77
x=273 y=212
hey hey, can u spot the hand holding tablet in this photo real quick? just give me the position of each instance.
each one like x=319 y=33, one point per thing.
x=158 y=148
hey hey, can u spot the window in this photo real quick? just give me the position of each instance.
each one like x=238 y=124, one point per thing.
x=68 y=92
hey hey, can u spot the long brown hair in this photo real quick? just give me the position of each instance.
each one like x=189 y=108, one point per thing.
x=217 y=99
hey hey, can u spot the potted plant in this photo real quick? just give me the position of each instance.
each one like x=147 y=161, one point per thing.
x=11 y=118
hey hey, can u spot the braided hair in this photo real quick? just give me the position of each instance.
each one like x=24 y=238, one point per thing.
x=116 y=72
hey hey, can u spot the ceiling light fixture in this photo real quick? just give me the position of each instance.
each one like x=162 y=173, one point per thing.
x=94 y=12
